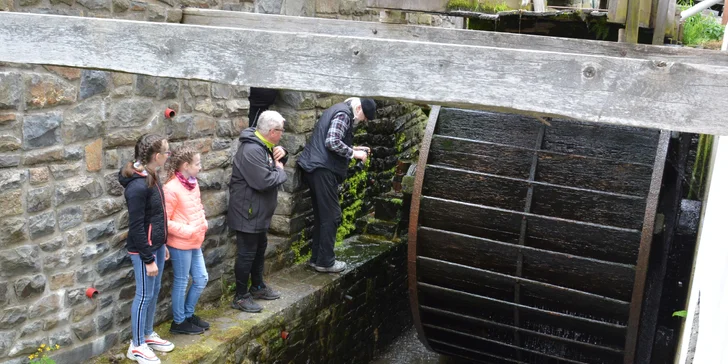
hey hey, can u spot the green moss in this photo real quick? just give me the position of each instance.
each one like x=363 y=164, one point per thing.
x=399 y=143
x=480 y=6
x=188 y=354
x=357 y=189
x=297 y=246
x=397 y=201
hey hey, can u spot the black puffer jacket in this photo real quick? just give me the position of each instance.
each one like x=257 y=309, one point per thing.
x=147 y=217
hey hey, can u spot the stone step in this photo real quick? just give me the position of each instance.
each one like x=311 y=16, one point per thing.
x=388 y=207
x=385 y=229
x=345 y=317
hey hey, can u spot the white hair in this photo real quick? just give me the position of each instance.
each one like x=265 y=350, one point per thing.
x=269 y=120
x=354 y=101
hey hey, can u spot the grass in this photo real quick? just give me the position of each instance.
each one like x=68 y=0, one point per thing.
x=480 y=6
x=700 y=29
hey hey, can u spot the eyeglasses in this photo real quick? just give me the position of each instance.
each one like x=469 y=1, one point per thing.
x=281 y=130
x=168 y=153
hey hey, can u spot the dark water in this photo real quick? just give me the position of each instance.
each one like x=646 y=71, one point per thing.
x=407 y=349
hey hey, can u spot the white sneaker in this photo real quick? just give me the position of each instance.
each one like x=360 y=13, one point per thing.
x=142 y=354
x=157 y=343
x=338 y=267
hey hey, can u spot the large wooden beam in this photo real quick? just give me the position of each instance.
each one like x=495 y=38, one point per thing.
x=417 y=33
x=430 y=6
x=653 y=94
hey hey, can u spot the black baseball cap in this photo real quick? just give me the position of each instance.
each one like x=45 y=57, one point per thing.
x=369 y=107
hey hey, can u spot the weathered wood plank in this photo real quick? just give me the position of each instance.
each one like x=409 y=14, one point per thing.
x=483 y=157
x=548 y=200
x=594 y=174
x=450 y=36
x=531 y=318
x=533 y=293
x=434 y=6
x=640 y=93
x=571 y=237
x=624 y=144
x=583 y=274
x=541 y=344
x=507 y=129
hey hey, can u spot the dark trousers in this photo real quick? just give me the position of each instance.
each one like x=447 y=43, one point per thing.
x=326 y=215
x=249 y=261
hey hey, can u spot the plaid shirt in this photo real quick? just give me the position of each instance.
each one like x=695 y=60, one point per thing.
x=337 y=130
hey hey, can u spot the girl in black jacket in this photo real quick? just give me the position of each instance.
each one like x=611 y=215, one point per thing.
x=146 y=242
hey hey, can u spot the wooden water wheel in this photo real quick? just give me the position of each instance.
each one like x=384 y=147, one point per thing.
x=528 y=242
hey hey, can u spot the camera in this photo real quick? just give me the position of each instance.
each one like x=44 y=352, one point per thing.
x=359 y=166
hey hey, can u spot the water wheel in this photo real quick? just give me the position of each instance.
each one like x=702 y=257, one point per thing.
x=528 y=242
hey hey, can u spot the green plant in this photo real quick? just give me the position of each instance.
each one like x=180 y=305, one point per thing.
x=682 y=314
x=699 y=29
x=481 y=6
x=228 y=290
x=41 y=355
x=700 y=167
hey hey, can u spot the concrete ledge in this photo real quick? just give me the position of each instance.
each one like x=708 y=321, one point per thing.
x=344 y=317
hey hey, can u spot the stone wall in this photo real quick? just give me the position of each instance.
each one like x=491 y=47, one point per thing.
x=64 y=133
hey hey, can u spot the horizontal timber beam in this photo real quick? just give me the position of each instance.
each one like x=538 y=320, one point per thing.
x=646 y=93
x=438 y=6
x=361 y=29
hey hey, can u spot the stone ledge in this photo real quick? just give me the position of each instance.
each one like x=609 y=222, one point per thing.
x=313 y=307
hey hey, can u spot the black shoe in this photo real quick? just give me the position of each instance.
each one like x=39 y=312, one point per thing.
x=264 y=293
x=186 y=328
x=246 y=303
x=197 y=321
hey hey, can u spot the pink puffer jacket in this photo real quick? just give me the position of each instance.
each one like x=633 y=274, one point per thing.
x=185 y=216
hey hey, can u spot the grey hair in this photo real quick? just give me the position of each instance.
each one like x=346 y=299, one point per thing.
x=354 y=101
x=269 y=120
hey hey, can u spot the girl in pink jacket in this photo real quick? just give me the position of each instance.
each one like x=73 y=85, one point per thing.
x=187 y=226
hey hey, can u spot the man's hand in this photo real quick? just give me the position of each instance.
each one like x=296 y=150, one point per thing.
x=279 y=164
x=366 y=149
x=278 y=153
x=152 y=269
x=360 y=155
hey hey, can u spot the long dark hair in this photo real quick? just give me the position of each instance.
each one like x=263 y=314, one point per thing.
x=146 y=148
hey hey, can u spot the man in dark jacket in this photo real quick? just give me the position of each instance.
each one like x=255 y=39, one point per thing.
x=325 y=161
x=257 y=173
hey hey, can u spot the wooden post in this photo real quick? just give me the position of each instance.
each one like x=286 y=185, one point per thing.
x=632 y=27
x=658 y=37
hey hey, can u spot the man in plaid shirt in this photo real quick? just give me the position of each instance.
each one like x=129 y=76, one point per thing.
x=325 y=162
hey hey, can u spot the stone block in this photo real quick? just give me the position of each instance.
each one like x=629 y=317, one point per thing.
x=102 y=207
x=104 y=321
x=74 y=237
x=9 y=160
x=84 y=330
x=68 y=73
x=12 y=203
x=120 y=6
x=113 y=187
x=20 y=260
x=31 y=329
x=95 y=4
x=4 y=294
x=30 y=286
x=268 y=6
x=215 y=203
x=174 y=16
x=220 y=91
x=49 y=155
x=6 y=341
x=299 y=121
x=111 y=282
x=93 y=156
x=211 y=180
x=190 y=126
x=83 y=310
x=39 y=175
x=84 y=121
x=294 y=143
x=64 y=171
x=62 y=280
x=157 y=87
x=13 y=231
x=113 y=262
x=156 y=13
x=91 y=251
x=199 y=88
x=122 y=79
x=12 y=179
x=75 y=153
x=12 y=317
x=220 y=144
x=100 y=231
x=52 y=244
x=6 y=119
x=237 y=107
x=10 y=140
x=47 y=91
x=11 y=90
x=42 y=130
x=77 y=189
x=26 y=346
x=60 y=260
x=69 y=217
x=327 y=6
x=217 y=159
x=60 y=338
x=38 y=199
x=42 y=224
x=132 y=112
x=94 y=83
x=111 y=159
x=205 y=106
x=46 y=305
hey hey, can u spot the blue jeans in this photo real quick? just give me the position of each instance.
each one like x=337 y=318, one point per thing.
x=145 y=300
x=186 y=263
